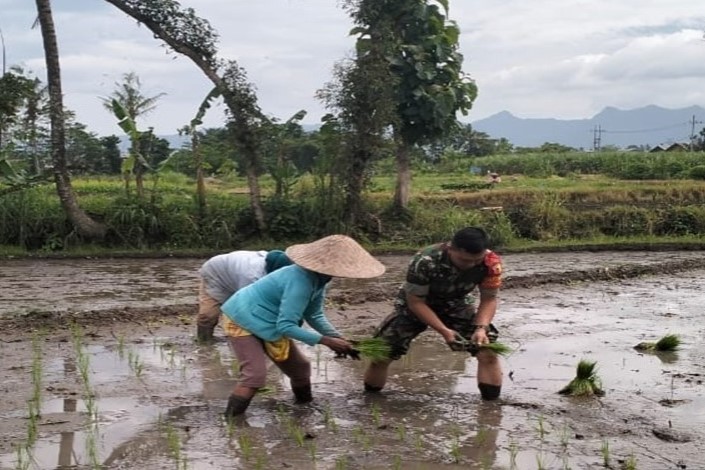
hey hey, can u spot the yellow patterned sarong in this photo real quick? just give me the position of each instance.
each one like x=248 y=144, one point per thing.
x=278 y=350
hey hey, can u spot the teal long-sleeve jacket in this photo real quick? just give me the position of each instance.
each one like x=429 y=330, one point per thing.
x=277 y=305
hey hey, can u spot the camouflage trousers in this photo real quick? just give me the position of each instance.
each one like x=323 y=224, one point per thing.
x=402 y=326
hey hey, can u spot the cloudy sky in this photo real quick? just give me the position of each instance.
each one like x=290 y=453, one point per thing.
x=566 y=59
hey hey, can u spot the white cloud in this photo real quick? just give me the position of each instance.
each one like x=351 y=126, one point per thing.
x=544 y=58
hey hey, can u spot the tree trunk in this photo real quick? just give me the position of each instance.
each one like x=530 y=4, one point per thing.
x=200 y=183
x=139 y=180
x=403 y=184
x=85 y=226
x=255 y=196
x=354 y=184
x=210 y=69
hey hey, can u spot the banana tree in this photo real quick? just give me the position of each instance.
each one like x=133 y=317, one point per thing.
x=134 y=160
x=17 y=180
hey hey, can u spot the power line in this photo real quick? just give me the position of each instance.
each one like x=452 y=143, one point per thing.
x=654 y=129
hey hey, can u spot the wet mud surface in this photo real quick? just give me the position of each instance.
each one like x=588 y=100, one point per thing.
x=128 y=388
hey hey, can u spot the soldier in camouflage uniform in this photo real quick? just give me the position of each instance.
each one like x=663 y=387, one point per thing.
x=439 y=281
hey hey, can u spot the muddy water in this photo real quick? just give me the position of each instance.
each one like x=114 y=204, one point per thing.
x=95 y=284
x=159 y=398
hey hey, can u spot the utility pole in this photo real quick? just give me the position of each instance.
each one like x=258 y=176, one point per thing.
x=597 y=138
x=4 y=62
x=692 y=131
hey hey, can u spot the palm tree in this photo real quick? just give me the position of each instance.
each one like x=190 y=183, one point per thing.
x=85 y=225
x=128 y=94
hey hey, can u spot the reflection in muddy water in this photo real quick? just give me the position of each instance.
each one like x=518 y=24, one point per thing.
x=160 y=398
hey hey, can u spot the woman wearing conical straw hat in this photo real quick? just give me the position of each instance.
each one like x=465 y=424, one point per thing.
x=262 y=320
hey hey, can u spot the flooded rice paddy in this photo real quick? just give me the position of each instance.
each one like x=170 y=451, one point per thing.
x=140 y=394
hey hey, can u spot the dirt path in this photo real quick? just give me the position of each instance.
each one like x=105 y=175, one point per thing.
x=132 y=390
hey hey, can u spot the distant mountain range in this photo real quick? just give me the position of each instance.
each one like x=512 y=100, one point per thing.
x=650 y=125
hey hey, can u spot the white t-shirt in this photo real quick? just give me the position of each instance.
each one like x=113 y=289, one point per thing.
x=227 y=273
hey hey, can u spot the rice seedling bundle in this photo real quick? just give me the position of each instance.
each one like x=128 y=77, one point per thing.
x=586 y=382
x=669 y=342
x=498 y=348
x=374 y=349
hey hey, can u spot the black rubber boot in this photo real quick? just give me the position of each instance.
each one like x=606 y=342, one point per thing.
x=489 y=392
x=204 y=334
x=303 y=393
x=236 y=406
x=372 y=389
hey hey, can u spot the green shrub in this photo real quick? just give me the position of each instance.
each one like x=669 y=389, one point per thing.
x=688 y=220
x=697 y=172
x=624 y=221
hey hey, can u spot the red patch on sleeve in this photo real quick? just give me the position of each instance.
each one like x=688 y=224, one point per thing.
x=493 y=263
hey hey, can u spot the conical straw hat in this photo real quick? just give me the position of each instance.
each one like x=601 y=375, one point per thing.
x=336 y=255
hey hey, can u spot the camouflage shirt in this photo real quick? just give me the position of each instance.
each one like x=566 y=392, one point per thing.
x=431 y=275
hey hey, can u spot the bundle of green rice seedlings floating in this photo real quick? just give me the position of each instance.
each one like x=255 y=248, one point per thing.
x=374 y=349
x=586 y=382
x=498 y=348
x=667 y=343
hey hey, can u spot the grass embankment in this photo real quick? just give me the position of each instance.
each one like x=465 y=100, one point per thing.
x=577 y=211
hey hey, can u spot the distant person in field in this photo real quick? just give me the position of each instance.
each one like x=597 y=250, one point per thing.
x=223 y=275
x=263 y=319
x=437 y=294
x=493 y=178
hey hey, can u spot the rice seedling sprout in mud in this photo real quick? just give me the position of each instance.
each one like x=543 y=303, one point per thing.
x=230 y=428
x=261 y=462
x=540 y=464
x=455 y=443
x=328 y=419
x=174 y=445
x=37 y=373
x=418 y=442
x=455 y=449
x=295 y=432
x=670 y=342
x=586 y=382
x=566 y=462
x=541 y=428
x=401 y=431
x=245 y=444
x=341 y=463
x=92 y=448
x=361 y=437
x=374 y=349
x=482 y=435
x=605 y=452
x=630 y=463
x=376 y=416
x=24 y=458
x=121 y=346
x=33 y=416
x=513 y=453
x=396 y=462
x=312 y=450
x=486 y=462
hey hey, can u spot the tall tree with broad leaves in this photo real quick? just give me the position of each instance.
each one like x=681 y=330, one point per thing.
x=421 y=49
x=186 y=33
x=84 y=224
x=360 y=94
x=15 y=90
